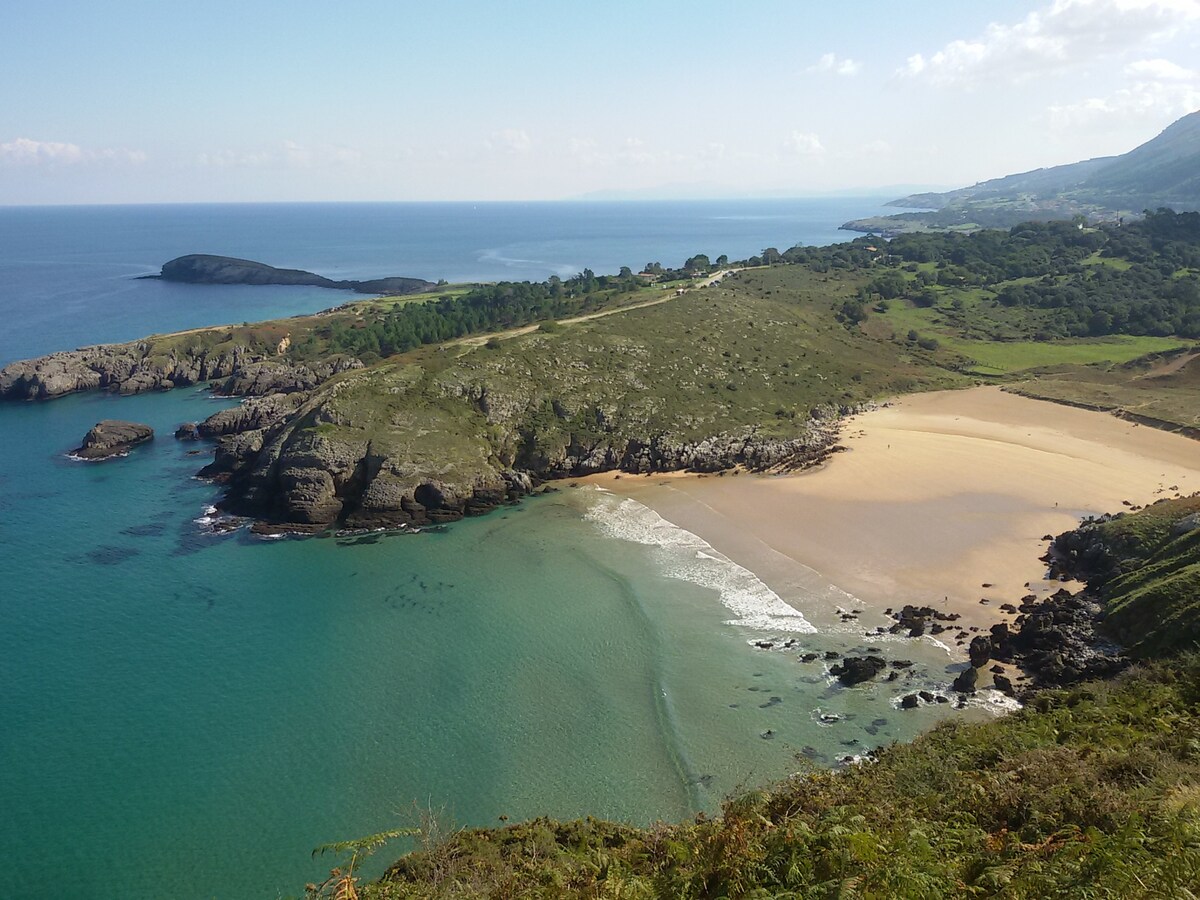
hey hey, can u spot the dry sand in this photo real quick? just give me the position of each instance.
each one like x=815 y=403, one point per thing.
x=938 y=495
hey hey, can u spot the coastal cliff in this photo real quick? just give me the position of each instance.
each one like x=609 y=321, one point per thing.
x=141 y=366
x=397 y=446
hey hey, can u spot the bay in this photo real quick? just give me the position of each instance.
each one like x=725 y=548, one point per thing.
x=187 y=714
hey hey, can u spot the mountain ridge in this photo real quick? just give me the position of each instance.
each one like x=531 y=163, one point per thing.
x=1162 y=172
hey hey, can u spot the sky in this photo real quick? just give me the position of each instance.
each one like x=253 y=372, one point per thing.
x=152 y=101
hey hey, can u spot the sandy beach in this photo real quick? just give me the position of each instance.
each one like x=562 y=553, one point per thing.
x=940 y=499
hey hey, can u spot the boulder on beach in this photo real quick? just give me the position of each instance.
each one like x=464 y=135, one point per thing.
x=857 y=669
x=112 y=437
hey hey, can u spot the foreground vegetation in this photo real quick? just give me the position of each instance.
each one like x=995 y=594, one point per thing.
x=1088 y=792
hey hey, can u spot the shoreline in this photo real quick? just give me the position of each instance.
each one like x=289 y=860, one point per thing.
x=943 y=500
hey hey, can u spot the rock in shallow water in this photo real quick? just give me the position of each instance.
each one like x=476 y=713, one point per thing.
x=112 y=437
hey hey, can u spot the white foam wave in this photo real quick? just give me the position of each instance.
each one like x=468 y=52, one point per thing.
x=688 y=557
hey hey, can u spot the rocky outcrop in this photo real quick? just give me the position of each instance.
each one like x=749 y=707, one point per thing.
x=254 y=413
x=288 y=471
x=200 y=268
x=274 y=376
x=132 y=369
x=1058 y=642
x=857 y=669
x=112 y=437
x=966 y=680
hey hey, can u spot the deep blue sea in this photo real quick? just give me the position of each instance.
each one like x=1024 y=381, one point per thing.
x=188 y=715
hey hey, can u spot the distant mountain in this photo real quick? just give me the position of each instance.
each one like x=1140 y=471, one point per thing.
x=1162 y=172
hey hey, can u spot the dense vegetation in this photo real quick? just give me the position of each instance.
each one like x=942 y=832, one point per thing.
x=1147 y=569
x=1087 y=792
x=1139 y=279
x=490 y=307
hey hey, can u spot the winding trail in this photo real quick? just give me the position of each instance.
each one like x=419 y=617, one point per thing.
x=478 y=340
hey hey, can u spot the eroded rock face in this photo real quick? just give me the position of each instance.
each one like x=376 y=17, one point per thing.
x=112 y=437
x=128 y=369
x=255 y=413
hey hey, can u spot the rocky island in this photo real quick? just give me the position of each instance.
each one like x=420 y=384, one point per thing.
x=112 y=437
x=202 y=268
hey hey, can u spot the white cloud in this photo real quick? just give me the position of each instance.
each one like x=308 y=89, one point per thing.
x=1063 y=35
x=830 y=62
x=510 y=140
x=288 y=155
x=27 y=152
x=1161 y=70
x=1157 y=102
x=1156 y=92
x=802 y=143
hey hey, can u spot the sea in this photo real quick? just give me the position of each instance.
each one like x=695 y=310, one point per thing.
x=188 y=714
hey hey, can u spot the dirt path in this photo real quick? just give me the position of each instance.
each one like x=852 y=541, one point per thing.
x=479 y=340
x=1171 y=366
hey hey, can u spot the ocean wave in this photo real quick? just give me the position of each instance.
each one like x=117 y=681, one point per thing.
x=688 y=557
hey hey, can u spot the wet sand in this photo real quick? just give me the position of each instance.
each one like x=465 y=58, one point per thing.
x=941 y=499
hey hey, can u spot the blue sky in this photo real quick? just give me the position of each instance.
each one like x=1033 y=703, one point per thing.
x=167 y=102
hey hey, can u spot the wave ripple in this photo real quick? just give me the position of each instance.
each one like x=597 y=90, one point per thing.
x=688 y=557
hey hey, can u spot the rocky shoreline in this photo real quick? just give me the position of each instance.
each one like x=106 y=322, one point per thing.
x=279 y=469
x=128 y=369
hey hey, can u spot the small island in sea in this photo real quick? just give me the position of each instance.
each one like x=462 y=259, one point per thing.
x=202 y=268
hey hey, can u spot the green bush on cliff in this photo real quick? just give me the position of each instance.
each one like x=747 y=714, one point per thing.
x=1152 y=595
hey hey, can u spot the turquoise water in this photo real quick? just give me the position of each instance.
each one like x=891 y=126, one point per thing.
x=199 y=712
x=185 y=714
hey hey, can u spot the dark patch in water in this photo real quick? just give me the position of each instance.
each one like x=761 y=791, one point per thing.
x=150 y=529
x=361 y=541
x=109 y=555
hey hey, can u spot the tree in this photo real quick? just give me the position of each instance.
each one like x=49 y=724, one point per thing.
x=697 y=263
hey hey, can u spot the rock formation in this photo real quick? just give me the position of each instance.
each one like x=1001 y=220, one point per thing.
x=201 y=268
x=112 y=437
x=132 y=368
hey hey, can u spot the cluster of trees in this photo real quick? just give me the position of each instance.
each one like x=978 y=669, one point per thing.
x=490 y=307
x=1153 y=289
